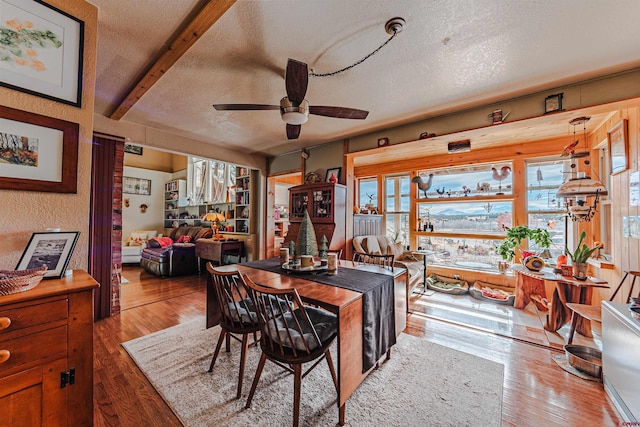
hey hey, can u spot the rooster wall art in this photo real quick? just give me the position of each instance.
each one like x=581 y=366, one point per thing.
x=504 y=173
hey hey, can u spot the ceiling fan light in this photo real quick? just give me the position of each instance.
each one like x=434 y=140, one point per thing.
x=294 y=114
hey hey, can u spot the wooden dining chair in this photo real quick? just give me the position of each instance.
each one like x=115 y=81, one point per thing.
x=237 y=315
x=594 y=313
x=291 y=334
x=385 y=261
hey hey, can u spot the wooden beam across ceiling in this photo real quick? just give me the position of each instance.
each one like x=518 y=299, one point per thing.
x=208 y=15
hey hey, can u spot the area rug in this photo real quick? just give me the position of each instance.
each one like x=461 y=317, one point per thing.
x=423 y=384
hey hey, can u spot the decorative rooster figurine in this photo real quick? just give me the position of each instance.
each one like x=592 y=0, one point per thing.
x=504 y=173
x=422 y=185
x=568 y=150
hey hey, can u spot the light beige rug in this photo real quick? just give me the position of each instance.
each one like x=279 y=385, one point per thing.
x=424 y=384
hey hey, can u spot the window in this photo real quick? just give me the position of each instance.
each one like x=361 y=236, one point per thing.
x=209 y=181
x=544 y=209
x=396 y=208
x=368 y=192
x=462 y=216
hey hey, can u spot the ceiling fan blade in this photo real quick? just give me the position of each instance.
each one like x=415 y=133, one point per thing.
x=338 y=112
x=245 y=107
x=296 y=80
x=293 y=131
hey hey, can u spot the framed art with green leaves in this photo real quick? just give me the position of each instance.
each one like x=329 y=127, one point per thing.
x=41 y=50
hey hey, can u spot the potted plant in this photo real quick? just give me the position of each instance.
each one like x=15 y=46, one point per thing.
x=580 y=256
x=515 y=236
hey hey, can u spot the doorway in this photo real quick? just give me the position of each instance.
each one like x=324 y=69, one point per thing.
x=277 y=216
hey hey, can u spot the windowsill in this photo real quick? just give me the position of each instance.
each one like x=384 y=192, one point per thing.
x=601 y=264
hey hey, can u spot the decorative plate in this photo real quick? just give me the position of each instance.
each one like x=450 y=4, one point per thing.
x=311 y=178
x=316 y=268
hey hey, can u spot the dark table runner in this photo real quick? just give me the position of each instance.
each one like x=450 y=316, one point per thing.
x=379 y=327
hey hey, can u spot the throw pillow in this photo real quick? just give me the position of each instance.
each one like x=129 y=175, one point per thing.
x=371 y=246
x=184 y=239
x=396 y=249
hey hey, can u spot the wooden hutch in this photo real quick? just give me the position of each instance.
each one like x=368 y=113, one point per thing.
x=326 y=203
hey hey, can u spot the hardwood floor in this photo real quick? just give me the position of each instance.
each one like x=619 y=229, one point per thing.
x=536 y=391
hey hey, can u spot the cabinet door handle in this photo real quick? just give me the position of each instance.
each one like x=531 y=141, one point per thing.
x=4 y=355
x=4 y=322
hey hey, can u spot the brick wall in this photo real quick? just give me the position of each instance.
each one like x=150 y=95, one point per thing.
x=116 y=250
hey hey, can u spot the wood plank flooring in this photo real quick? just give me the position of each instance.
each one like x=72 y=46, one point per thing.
x=536 y=391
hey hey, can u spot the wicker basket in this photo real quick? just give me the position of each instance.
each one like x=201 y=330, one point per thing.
x=14 y=281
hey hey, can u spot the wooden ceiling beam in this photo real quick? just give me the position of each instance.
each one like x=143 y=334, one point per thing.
x=211 y=11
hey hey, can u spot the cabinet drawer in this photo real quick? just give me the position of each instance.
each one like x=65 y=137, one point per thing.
x=38 y=314
x=33 y=348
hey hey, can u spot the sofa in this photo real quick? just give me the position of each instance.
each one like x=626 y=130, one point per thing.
x=382 y=245
x=176 y=254
x=132 y=246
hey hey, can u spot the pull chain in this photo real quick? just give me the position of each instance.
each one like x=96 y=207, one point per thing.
x=395 y=25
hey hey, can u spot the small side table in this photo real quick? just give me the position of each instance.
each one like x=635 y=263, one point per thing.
x=424 y=254
x=216 y=251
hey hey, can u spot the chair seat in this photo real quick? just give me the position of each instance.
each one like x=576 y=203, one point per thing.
x=589 y=312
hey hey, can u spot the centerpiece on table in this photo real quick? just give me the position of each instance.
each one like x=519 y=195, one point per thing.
x=513 y=241
x=580 y=256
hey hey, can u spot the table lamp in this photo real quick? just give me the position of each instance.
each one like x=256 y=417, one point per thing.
x=215 y=218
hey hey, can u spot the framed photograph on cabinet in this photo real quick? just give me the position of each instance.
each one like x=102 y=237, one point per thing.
x=39 y=153
x=619 y=147
x=43 y=50
x=333 y=175
x=51 y=249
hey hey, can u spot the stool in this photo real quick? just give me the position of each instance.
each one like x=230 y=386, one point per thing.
x=594 y=313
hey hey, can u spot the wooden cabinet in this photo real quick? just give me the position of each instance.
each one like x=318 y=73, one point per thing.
x=325 y=203
x=46 y=353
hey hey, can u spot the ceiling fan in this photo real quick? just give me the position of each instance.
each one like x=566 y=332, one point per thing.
x=294 y=109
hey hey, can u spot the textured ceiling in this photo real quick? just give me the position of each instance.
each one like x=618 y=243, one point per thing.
x=452 y=54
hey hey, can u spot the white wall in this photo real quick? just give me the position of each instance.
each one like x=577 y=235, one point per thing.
x=152 y=219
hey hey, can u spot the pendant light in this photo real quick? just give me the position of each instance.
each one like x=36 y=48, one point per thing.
x=577 y=191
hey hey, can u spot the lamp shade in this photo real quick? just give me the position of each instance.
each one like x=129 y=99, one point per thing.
x=214 y=217
x=581 y=186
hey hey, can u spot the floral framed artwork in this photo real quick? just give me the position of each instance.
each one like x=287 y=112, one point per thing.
x=619 y=147
x=37 y=153
x=41 y=50
x=335 y=173
x=51 y=249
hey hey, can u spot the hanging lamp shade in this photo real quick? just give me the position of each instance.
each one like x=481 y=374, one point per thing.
x=581 y=186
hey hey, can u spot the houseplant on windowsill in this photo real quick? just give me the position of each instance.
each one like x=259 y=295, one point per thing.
x=580 y=256
x=515 y=236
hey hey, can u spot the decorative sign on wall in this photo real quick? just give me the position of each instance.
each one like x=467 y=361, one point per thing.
x=631 y=227
x=634 y=189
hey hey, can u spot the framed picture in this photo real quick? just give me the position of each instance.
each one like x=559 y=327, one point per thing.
x=619 y=147
x=335 y=172
x=51 y=249
x=133 y=149
x=553 y=103
x=634 y=189
x=136 y=186
x=38 y=153
x=43 y=51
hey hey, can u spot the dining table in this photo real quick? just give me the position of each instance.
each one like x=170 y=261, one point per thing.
x=358 y=321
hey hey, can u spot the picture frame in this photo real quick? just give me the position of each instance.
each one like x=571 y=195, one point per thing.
x=139 y=186
x=52 y=68
x=133 y=149
x=553 y=103
x=618 y=138
x=46 y=156
x=53 y=249
x=335 y=172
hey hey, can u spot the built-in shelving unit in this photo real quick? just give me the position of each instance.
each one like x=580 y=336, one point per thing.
x=174 y=199
x=243 y=200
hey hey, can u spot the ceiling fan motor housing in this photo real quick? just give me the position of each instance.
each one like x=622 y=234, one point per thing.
x=294 y=114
